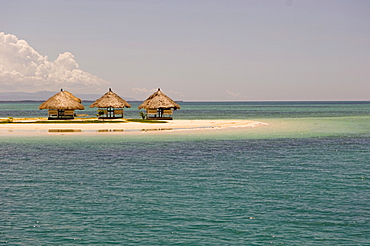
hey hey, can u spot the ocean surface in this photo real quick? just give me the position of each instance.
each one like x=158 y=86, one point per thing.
x=304 y=179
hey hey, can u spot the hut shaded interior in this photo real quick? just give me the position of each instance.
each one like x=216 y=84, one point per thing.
x=159 y=106
x=62 y=105
x=110 y=106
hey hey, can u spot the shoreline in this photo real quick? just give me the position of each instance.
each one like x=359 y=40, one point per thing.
x=34 y=128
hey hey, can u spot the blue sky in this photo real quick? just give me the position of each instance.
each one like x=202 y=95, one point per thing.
x=191 y=49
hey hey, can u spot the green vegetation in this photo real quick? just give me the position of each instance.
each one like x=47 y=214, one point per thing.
x=63 y=122
x=78 y=121
x=8 y=120
x=100 y=113
x=143 y=115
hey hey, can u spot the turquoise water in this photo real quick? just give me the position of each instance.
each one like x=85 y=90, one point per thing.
x=216 y=110
x=302 y=180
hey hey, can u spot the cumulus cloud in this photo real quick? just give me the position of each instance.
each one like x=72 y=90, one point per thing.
x=24 y=69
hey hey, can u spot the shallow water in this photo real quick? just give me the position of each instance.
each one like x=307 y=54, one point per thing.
x=298 y=181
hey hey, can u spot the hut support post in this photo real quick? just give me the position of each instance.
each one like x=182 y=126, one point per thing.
x=110 y=113
x=59 y=114
x=160 y=112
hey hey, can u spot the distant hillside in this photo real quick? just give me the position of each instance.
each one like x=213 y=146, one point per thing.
x=43 y=95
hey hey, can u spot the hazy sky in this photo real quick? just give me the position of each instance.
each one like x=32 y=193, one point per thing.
x=191 y=49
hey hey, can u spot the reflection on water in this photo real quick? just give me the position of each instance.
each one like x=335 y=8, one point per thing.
x=134 y=130
x=64 y=130
x=110 y=130
x=157 y=129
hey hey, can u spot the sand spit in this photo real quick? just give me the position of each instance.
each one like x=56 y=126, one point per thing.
x=77 y=128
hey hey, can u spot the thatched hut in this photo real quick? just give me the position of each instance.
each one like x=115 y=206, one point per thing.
x=159 y=106
x=62 y=105
x=110 y=106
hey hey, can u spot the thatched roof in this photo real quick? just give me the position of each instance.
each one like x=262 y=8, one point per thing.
x=110 y=100
x=62 y=100
x=158 y=100
x=71 y=95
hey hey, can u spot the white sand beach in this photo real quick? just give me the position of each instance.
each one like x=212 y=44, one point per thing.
x=35 y=128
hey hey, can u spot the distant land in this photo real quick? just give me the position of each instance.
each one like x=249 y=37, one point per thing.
x=44 y=95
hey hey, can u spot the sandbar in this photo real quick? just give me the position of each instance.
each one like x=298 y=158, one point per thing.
x=34 y=128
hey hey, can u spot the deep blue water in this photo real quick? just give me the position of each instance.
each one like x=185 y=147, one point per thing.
x=306 y=184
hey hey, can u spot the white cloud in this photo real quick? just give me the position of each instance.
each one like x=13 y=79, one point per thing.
x=24 y=69
x=235 y=96
x=140 y=90
x=142 y=93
